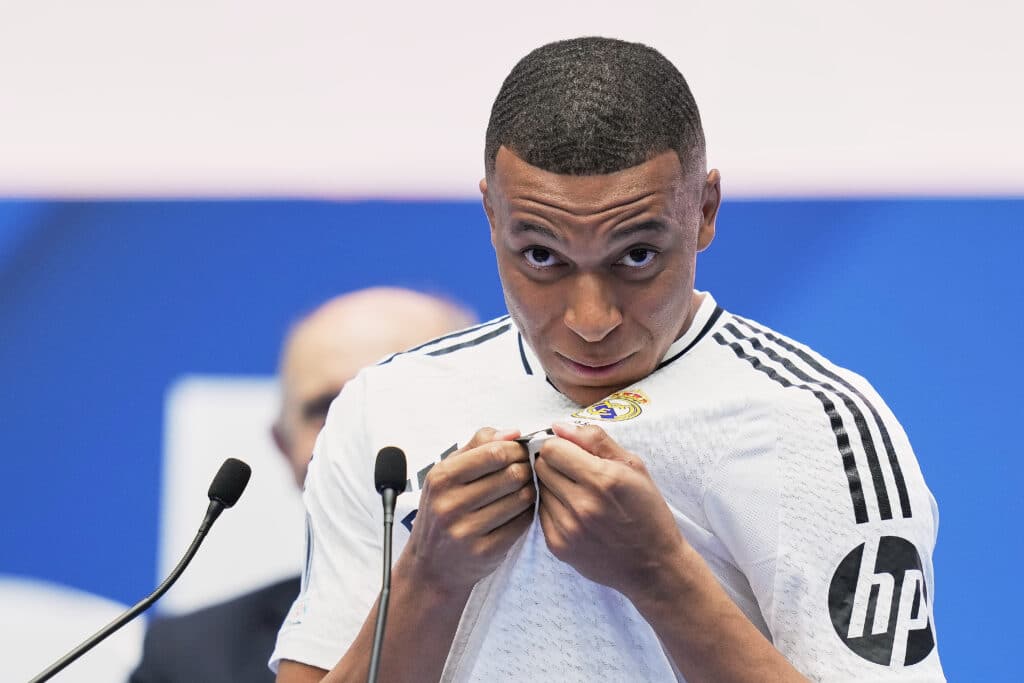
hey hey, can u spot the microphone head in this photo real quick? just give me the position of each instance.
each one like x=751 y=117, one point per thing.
x=229 y=482
x=389 y=471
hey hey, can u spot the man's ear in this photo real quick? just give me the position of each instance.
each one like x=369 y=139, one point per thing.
x=488 y=207
x=710 y=201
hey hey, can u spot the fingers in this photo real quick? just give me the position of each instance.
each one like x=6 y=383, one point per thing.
x=497 y=485
x=474 y=505
x=488 y=434
x=502 y=537
x=583 y=483
x=488 y=451
x=490 y=517
x=569 y=459
x=588 y=453
x=481 y=487
x=554 y=515
x=555 y=482
x=592 y=439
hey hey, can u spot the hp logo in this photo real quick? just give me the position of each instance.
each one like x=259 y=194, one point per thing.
x=879 y=605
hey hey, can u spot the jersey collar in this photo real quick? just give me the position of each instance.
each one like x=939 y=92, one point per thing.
x=707 y=315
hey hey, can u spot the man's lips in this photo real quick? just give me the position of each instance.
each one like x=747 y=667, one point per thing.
x=592 y=368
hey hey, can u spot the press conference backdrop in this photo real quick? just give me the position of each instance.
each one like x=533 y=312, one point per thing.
x=107 y=304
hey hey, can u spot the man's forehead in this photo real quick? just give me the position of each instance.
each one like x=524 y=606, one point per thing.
x=317 y=362
x=518 y=182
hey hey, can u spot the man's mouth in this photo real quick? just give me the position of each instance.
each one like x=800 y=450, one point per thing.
x=592 y=367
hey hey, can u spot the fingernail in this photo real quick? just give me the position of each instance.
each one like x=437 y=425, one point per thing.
x=565 y=426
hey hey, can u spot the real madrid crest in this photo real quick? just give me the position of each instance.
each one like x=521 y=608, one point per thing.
x=622 y=405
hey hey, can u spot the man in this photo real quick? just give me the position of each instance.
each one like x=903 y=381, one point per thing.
x=715 y=502
x=233 y=640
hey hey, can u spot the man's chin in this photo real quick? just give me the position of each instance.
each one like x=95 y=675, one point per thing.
x=587 y=384
x=586 y=393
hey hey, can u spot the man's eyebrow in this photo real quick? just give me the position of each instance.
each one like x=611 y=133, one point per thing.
x=633 y=230
x=521 y=227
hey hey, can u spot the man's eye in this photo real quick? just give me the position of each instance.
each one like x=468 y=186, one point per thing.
x=638 y=258
x=539 y=257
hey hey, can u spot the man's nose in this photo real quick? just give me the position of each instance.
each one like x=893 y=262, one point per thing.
x=591 y=311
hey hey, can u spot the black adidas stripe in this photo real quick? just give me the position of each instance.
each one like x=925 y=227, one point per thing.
x=890 y=450
x=860 y=510
x=522 y=356
x=472 y=342
x=459 y=333
x=867 y=442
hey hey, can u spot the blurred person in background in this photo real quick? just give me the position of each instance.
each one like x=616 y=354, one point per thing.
x=232 y=641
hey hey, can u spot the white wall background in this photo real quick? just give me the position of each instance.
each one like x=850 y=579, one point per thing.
x=345 y=99
x=207 y=419
x=42 y=621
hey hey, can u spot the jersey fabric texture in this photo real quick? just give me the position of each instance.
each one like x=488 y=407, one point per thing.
x=787 y=474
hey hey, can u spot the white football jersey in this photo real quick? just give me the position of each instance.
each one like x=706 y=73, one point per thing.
x=787 y=474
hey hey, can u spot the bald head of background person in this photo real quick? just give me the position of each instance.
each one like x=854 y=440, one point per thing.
x=232 y=641
x=328 y=347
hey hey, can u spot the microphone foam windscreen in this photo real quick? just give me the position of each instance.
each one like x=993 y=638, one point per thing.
x=389 y=470
x=229 y=482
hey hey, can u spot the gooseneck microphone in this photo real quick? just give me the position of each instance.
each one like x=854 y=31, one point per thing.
x=224 y=492
x=389 y=474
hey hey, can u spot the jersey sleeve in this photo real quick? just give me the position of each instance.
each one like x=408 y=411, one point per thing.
x=341 y=574
x=834 y=528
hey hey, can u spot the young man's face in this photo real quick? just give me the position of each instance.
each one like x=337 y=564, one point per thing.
x=598 y=270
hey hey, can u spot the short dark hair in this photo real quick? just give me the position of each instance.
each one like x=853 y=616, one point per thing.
x=591 y=106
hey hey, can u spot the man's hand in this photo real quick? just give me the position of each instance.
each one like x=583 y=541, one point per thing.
x=475 y=504
x=602 y=513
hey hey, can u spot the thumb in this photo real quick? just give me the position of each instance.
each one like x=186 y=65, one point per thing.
x=592 y=439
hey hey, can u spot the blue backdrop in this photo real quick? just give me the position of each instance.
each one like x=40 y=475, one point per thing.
x=104 y=304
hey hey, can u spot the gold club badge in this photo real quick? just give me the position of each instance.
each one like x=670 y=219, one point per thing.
x=622 y=405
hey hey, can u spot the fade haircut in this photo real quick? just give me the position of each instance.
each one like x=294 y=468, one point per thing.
x=591 y=106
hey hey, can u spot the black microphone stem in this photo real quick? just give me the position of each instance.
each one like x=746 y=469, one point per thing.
x=212 y=512
x=389 y=496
